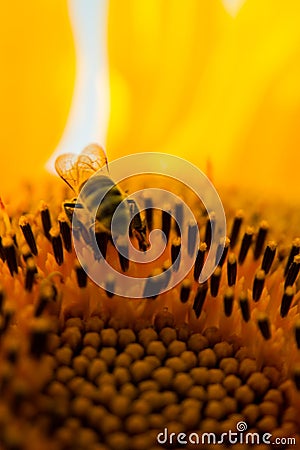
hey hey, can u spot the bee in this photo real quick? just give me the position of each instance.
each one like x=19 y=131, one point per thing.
x=76 y=170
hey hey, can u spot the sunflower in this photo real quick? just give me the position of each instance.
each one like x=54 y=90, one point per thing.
x=82 y=368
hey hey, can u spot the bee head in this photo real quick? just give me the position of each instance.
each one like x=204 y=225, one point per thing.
x=69 y=207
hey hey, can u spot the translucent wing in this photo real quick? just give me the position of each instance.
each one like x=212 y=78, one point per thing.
x=94 y=157
x=75 y=170
x=66 y=167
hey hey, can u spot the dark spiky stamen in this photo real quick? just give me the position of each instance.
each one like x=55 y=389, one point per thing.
x=2 y=296
x=292 y=272
x=178 y=218
x=209 y=229
x=31 y=270
x=2 y=253
x=46 y=219
x=110 y=287
x=192 y=236
x=149 y=212
x=258 y=285
x=119 y=369
x=39 y=335
x=57 y=246
x=244 y=305
x=236 y=227
x=286 y=301
x=28 y=234
x=46 y=296
x=245 y=245
x=102 y=239
x=81 y=275
x=264 y=326
x=215 y=281
x=199 y=261
x=295 y=250
x=10 y=255
x=65 y=232
x=185 y=290
x=200 y=298
x=166 y=222
x=222 y=251
x=297 y=333
x=175 y=253
x=269 y=256
x=296 y=376
x=228 y=302
x=260 y=240
x=231 y=269
x=123 y=254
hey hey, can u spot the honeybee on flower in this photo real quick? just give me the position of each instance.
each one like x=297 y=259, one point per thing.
x=91 y=164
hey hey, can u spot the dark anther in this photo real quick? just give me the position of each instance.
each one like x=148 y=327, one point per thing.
x=185 y=291
x=81 y=276
x=244 y=305
x=231 y=269
x=65 y=232
x=166 y=223
x=297 y=333
x=260 y=239
x=209 y=229
x=245 y=245
x=175 y=253
x=269 y=256
x=228 y=302
x=264 y=326
x=292 y=272
x=46 y=220
x=31 y=270
x=28 y=234
x=57 y=246
x=10 y=255
x=286 y=301
x=102 y=242
x=222 y=251
x=200 y=298
x=199 y=261
x=295 y=250
x=258 y=285
x=215 y=281
x=192 y=238
x=235 y=230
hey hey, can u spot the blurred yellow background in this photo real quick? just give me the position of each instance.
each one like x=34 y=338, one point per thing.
x=36 y=84
x=202 y=84
x=194 y=81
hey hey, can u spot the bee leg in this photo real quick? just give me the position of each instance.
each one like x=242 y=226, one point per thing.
x=141 y=235
x=80 y=231
x=138 y=226
x=73 y=205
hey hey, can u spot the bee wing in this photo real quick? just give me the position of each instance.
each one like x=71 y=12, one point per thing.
x=75 y=170
x=66 y=167
x=94 y=157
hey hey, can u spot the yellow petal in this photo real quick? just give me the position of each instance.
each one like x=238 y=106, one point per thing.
x=198 y=83
x=36 y=84
x=158 y=55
